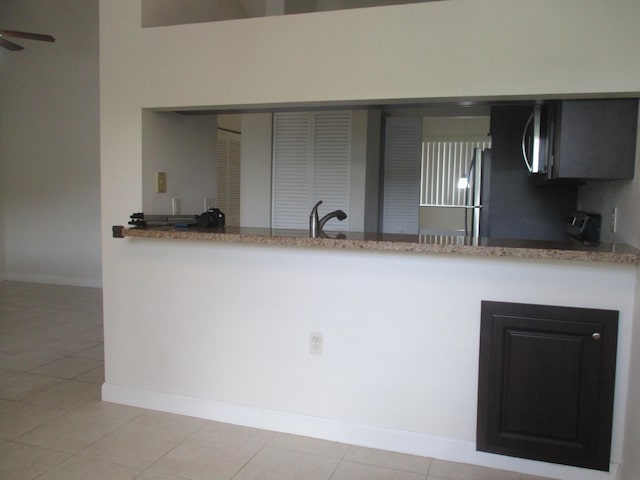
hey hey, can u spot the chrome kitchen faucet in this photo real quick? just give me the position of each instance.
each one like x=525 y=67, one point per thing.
x=316 y=223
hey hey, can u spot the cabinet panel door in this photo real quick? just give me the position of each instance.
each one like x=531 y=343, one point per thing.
x=596 y=139
x=546 y=383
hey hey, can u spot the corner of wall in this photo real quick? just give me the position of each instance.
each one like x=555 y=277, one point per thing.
x=3 y=261
x=184 y=147
x=601 y=197
x=255 y=170
x=630 y=465
x=50 y=146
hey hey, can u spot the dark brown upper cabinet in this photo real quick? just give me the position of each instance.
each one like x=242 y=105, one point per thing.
x=593 y=139
x=546 y=383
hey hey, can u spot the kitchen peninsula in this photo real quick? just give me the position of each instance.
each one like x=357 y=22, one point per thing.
x=400 y=322
x=426 y=244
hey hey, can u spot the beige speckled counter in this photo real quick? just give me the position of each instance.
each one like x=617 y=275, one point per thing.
x=427 y=244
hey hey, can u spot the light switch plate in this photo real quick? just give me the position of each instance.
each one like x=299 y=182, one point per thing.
x=161 y=182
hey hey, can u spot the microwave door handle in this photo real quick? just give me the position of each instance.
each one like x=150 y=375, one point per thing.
x=524 y=139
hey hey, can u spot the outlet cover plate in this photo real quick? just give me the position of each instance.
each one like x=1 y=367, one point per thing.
x=315 y=343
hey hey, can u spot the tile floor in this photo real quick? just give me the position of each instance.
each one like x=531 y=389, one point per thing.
x=54 y=426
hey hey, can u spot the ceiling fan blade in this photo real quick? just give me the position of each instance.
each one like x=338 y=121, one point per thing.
x=28 y=36
x=9 y=45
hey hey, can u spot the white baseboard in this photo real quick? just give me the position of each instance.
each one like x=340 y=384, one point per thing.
x=53 y=279
x=370 y=436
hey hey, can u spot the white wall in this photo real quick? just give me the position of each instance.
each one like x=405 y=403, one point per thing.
x=444 y=128
x=170 y=12
x=2 y=256
x=49 y=127
x=365 y=170
x=255 y=170
x=400 y=361
x=184 y=147
x=416 y=366
x=430 y=54
x=630 y=458
x=358 y=170
x=231 y=121
x=372 y=188
x=601 y=197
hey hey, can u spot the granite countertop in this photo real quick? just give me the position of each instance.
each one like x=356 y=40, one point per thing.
x=428 y=244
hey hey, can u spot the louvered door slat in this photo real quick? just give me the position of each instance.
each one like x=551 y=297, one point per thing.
x=331 y=166
x=221 y=174
x=291 y=178
x=228 y=176
x=233 y=183
x=311 y=162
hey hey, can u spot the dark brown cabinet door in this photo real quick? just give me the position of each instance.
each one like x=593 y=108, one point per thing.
x=546 y=383
x=595 y=139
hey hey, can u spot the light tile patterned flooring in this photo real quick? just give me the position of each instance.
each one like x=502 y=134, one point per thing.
x=54 y=426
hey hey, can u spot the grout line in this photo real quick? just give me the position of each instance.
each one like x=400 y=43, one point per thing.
x=48 y=303
x=335 y=469
x=248 y=462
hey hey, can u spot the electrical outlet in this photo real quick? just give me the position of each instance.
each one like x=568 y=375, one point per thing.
x=614 y=220
x=315 y=343
x=176 y=205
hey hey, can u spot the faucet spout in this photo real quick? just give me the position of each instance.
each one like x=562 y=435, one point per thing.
x=339 y=214
x=314 y=221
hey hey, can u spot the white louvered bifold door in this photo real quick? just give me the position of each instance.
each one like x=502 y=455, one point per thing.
x=331 y=165
x=311 y=162
x=291 y=170
x=228 y=176
x=401 y=193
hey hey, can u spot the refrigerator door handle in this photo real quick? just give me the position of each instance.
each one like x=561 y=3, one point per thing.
x=477 y=192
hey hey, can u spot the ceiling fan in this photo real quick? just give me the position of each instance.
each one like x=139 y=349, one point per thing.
x=28 y=36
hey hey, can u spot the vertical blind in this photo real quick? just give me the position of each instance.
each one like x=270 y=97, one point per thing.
x=443 y=163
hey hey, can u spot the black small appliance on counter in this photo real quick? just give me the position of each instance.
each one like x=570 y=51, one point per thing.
x=585 y=226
